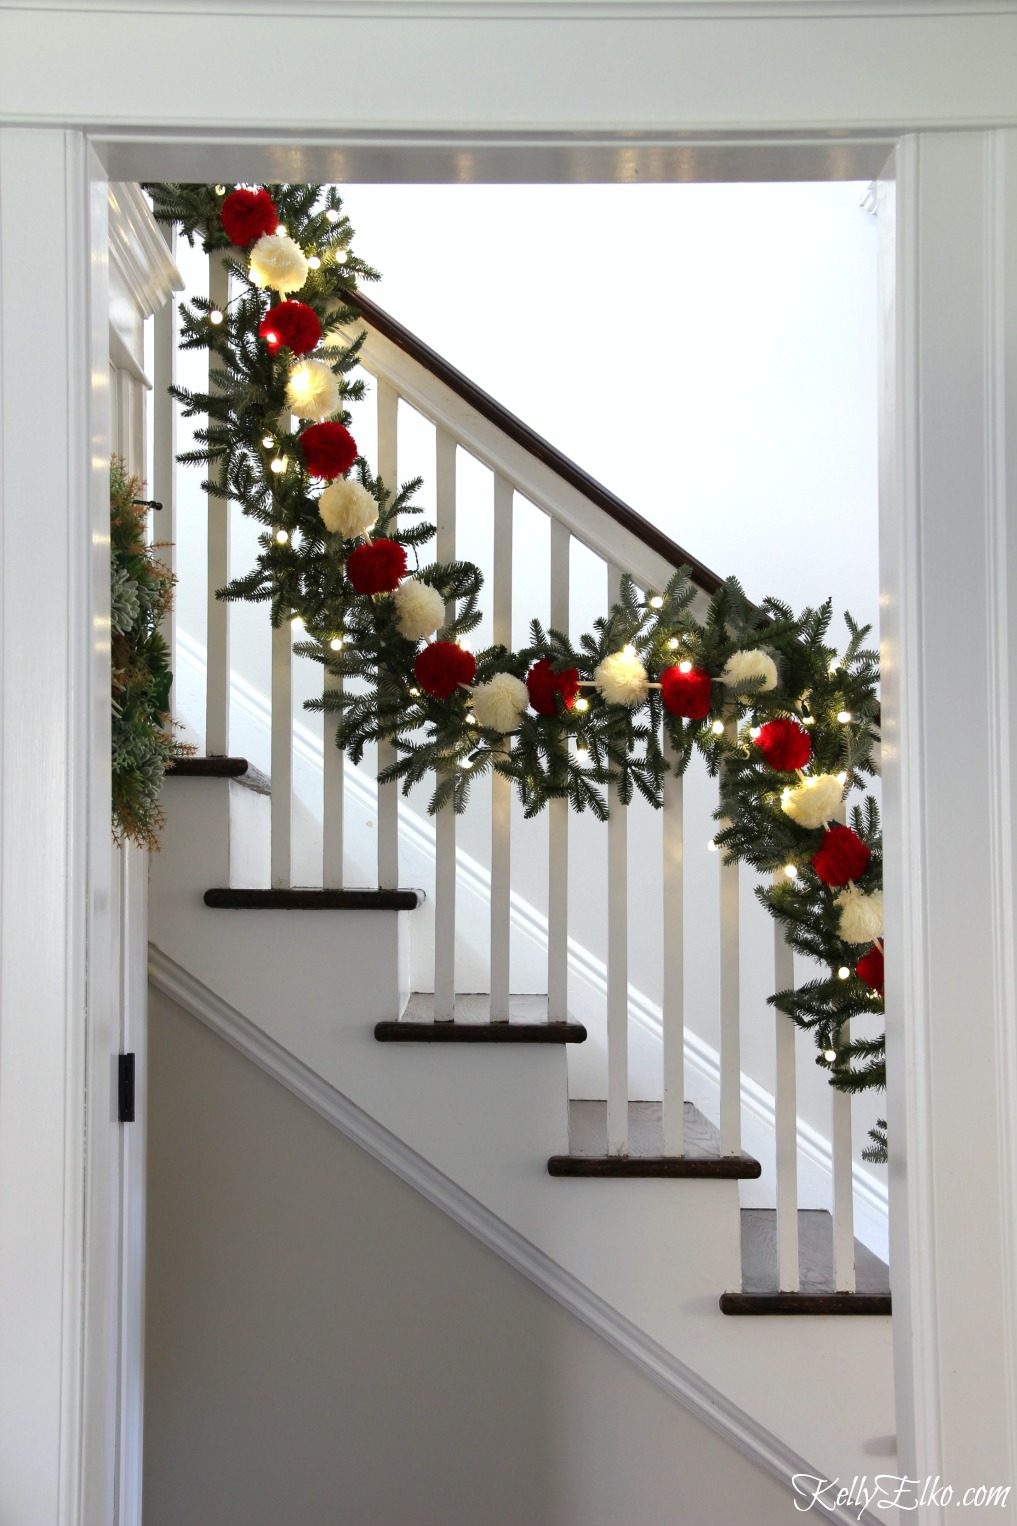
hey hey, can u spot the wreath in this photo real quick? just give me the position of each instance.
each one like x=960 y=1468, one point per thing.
x=786 y=721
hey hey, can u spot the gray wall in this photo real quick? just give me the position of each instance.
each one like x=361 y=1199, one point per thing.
x=325 y=1346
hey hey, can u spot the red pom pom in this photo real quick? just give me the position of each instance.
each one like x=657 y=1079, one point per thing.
x=543 y=684
x=842 y=856
x=376 y=567
x=246 y=215
x=329 y=450
x=870 y=969
x=442 y=667
x=785 y=745
x=687 y=694
x=292 y=324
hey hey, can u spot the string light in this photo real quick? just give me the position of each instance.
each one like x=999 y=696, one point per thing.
x=341 y=256
x=718 y=728
x=629 y=650
x=313 y=262
x=791 y=871
x=582 y=704
x=220 y=190
x=843 y=973
x=685 y=667
x=843 y=716
x=582 y=752
x=471 y=719
x=465 y=762
x=297 y=624
x=842 y=779
x=808 y=720
x=673 y=644
x=278 y=465
x=215 y=316
x=281 y=228
x=282 y=536
x=712 y=845
x=656 y=602
x=415 y=693
x=336 y=643
x=332 y=215
x=268 y=442
x=829 y=1055
x=754 y=731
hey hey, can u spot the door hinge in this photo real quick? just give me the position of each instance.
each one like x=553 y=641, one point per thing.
x=125 y=1088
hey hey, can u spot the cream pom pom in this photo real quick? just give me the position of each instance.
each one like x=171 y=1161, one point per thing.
x=622 y=679
x=419 y=609
x=347 y=508
x=500 y=702
x=742 y=667
x=814 y=802
x=278 y=262
x=312 y=391
x=861 y=915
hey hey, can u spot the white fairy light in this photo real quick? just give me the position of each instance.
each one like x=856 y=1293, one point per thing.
x=313 y=262
x=220 y=190
x=718 y=728
x=685 y=667
x=829 y=1055
x=656 y=602
x=297 y=624
x=281 y=230
x=332 y=216
x=336 y=643
x=673 y=644
x=843 y=716
x=282 y=536
x=582 y=704
x=267 y=442
x=843 y=973
x=465 y=762
x=791 y=871
x=215 y=317
x=842 y=779
x=278 y=465
x=712 y=845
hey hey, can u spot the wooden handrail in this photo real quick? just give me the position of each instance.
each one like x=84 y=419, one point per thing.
x=535 y=444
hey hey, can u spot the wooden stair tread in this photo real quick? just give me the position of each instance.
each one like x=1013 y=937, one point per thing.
x=310 y=899
x=817 y=1294
x=588 y=1146
x=207 y=768
x=527 y=1023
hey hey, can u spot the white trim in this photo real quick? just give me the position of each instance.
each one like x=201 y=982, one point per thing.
x=138 y=250
x=700 y=1057
x=532 y=10
x=727 y=1419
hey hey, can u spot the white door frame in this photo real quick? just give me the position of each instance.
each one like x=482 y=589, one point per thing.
x=735 y=100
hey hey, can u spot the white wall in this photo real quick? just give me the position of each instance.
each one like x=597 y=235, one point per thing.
x=324 y=1345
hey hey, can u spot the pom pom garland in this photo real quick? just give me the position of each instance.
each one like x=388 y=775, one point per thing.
x=346 y=508
x=544 y=686
x=870 y=969
x=861 y=915
x=622 y=680
x=376 y=567
x=329 y=450
x=785 y=745
x=420 y=609
x=842 y=857
x=686 y=694
x=278 y=262
x=290 y=325
x=499 y=704
x=743 y=667
x=247 y=215
x=442 y=667
x=814 y=802
x=312 y=391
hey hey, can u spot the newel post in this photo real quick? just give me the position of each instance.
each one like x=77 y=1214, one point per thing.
x=948 y=216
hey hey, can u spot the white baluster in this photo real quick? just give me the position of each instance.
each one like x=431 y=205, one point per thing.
x=730 y=1005
x=217 y=680
x=843 y=1187
x=617 y=957
x=333 y=784
x=164 y=448
x=558 y=814
x=282 y=755
x=501 y=788
x=673 y=995
x=786 y=1121
x=388 y=794
x=445 y=826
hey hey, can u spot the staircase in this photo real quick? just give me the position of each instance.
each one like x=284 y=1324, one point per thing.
x=524 y=1119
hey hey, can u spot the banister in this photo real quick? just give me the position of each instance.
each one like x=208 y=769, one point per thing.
x=487 y=406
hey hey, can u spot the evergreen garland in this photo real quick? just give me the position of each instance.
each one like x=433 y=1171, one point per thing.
x=143 y=744
x=755 y=664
